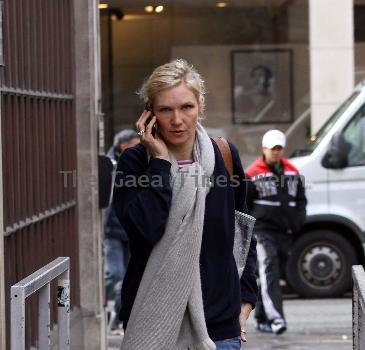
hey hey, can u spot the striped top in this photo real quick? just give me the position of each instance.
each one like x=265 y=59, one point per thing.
x=182 y=163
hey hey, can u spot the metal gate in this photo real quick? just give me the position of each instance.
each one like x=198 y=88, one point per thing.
x=38 y=143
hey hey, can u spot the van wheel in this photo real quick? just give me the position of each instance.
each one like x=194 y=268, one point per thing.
x=319 y=264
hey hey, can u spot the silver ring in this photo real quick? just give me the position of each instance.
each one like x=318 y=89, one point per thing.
x=243 y=331
x=140 y=133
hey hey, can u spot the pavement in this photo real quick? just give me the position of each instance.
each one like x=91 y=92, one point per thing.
x=321 y=324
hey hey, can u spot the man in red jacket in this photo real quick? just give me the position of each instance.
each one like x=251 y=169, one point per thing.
x=277 y=200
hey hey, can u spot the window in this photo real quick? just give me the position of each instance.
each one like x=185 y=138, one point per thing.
x=323 y=131
x=354 y=135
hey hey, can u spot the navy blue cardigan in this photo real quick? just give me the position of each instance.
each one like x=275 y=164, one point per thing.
x=143 y=212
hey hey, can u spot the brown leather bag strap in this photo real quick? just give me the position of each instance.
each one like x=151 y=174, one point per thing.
x=223 y=146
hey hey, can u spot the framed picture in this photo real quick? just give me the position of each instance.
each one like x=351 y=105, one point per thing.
x=262 y=86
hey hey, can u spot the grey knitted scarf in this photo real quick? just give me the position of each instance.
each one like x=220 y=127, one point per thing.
x=168 y=312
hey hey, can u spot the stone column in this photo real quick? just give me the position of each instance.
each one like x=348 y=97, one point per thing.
x=89 y=216
x=331 y=56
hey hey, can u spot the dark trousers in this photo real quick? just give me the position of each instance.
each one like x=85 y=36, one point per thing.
x=272 y=246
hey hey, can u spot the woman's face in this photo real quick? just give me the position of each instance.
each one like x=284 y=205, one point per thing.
x=177 y=111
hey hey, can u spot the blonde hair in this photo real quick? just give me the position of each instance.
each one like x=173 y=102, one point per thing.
x=172 y=74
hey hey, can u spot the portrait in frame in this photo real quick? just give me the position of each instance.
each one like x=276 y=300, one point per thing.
x=262 y=86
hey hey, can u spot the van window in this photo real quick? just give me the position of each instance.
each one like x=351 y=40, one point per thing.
x=316 y=139
x=354 y=135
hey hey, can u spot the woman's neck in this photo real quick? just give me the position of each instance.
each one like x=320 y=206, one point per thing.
x=183 y=152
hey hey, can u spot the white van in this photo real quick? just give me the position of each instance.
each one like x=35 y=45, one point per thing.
x=333 y=238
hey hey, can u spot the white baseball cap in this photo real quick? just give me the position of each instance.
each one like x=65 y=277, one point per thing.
x=273 y=138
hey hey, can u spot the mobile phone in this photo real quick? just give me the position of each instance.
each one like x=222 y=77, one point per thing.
x=148 y=107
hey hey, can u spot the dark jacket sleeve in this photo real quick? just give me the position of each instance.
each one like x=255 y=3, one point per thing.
x=248 y=282
x=142 y=195
x=239 y=182
x=301 y=204
x=251 y=194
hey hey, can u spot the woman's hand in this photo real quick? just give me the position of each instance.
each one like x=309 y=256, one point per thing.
x=246 y=309
x=155 y=145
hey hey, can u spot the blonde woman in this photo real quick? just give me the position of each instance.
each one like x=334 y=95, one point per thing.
x=181 y=289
